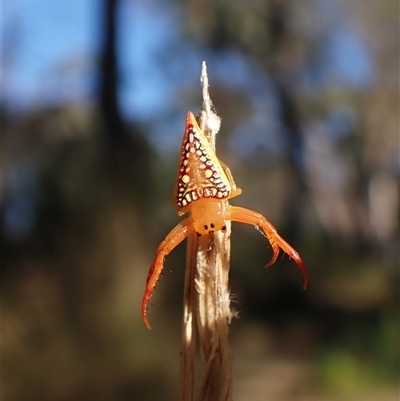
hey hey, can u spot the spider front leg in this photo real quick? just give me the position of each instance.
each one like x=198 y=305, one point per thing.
x=171 y=241
x=246 y=216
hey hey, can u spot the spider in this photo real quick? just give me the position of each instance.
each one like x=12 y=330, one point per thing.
x=203 y=187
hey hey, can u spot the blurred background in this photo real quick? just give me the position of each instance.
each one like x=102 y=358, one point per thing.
x=94 y=99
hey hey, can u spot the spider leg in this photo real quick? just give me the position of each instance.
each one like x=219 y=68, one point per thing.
x=246 y=216
x=172 y=240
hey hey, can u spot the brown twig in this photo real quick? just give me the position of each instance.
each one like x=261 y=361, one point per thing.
x=207 y=298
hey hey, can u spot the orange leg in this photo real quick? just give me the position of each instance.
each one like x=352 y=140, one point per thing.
x=246 y=216
x=172 y=240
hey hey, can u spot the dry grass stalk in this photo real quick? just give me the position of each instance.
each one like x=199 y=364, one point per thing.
x=207 y=299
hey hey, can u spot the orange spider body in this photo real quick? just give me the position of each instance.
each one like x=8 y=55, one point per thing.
x=203 y=187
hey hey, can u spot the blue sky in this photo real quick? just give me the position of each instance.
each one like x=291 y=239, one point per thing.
x=50 y=49
x=42 y=39
x=50 y=52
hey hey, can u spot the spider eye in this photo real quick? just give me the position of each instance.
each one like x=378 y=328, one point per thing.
x=212 y=225
x=223 y=228
x=205 y=226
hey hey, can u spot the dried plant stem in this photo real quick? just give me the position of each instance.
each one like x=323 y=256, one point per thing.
x=188 y=350
x=207 y=299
